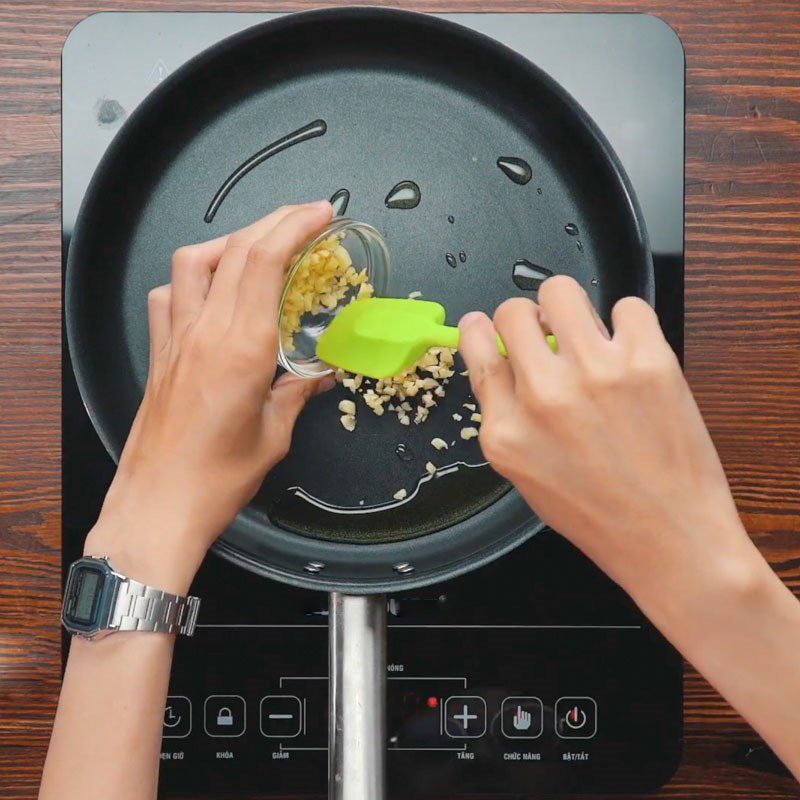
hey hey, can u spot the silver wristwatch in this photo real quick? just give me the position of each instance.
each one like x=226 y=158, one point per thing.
x=99 y=601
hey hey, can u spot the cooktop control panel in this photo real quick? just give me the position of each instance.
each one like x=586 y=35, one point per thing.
x=580 y=695
x=533 y=675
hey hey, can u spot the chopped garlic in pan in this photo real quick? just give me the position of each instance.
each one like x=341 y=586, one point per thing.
x=412 y=394
x=327 y=277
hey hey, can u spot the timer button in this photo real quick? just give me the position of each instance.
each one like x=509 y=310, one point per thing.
x=177 y=717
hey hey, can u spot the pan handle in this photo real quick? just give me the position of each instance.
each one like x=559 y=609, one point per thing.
x=357 y=698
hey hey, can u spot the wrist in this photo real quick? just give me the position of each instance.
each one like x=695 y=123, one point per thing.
x=151 y=547
x=712 y=588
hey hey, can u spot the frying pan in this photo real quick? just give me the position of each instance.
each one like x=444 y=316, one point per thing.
x=509 y=170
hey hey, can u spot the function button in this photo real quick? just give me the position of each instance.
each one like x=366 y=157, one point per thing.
x=281 y=716
x=576 y=717
x=177 y=717
x=522 y=717
x=224 y=716
x=465 y=717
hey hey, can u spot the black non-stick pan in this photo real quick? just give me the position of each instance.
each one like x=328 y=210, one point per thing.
x=515 y=182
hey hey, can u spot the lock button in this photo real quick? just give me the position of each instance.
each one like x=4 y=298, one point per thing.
x=224 y=716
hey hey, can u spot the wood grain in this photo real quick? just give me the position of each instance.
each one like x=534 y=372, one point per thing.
x=742 y=329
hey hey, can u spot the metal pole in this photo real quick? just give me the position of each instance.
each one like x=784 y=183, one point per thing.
x=357 y=698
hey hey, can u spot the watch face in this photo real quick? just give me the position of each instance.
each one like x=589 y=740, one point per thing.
x=83 y=597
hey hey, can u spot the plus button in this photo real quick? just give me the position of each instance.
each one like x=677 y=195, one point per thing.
x=465 y=717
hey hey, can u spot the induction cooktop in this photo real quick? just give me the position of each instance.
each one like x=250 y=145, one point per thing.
x=535 y=674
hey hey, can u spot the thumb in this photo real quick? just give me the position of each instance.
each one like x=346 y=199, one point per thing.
x=490 y=374
x=290 y=393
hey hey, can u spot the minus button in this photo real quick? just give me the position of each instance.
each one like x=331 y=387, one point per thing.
x=281 y=716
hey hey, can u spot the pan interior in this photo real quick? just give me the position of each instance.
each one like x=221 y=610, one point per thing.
x=400 y=101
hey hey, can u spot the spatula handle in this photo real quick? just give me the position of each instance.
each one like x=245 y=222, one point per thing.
x=449 y=335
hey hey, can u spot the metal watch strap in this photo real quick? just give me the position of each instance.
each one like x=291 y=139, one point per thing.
x=142 y=608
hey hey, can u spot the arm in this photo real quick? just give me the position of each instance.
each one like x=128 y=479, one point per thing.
x=211 y=425
x=604 y=440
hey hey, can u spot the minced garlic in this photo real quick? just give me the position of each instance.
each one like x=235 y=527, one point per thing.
x=422 y=384
x=323 y=279
x=327 y=277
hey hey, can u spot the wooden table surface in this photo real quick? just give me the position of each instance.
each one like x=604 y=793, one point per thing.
x=742 y=329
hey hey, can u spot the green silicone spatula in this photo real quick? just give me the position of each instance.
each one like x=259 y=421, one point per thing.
x=381 y=336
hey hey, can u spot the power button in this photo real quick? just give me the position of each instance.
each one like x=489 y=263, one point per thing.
x=576 y=717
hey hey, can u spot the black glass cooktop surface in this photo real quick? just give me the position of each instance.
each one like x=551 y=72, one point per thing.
x=535 y=674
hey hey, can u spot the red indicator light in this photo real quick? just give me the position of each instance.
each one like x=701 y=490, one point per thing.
x=433 y=702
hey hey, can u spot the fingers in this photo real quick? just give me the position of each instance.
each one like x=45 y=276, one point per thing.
x=225 y=287
x=261 y=285
x=159 y=321
x=568 y=311
x=636 y=324
x=289 y=396
x=490 y=374
x=601 y=326
x=192 y=266
x=317 y=385
x=520 y=327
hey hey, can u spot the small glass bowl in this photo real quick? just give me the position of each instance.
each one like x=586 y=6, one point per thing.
x=368 y=250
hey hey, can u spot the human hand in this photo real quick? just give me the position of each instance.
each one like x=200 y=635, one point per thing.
x=211 y=424
x=605 y=442
x=604 y=439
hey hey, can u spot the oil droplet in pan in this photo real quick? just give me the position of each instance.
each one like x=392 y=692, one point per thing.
x=462 y=256
x=339 y=201
x=405 y=194
x=515 y=168
x=403 y=452
x=572 y=229
x=528 y=276
x=451 y=219
x=451 y=260
x=316 y=128
x=579 y=243
x=594 y=281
